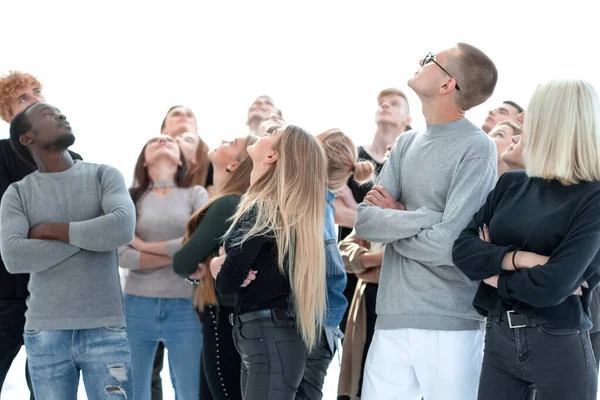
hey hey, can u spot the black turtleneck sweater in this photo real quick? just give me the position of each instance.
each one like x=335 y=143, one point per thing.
x=547 y=218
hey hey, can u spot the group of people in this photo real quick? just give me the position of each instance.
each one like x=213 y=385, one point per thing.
x=464 y=265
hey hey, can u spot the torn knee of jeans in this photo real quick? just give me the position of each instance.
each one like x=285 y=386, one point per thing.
x=119 y=372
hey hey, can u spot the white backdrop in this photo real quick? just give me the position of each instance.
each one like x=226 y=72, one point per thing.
x=115 y=67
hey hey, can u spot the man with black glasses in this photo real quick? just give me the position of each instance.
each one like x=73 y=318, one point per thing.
x=428 y=338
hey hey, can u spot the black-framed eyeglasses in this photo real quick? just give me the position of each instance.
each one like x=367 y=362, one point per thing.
x=430 y=57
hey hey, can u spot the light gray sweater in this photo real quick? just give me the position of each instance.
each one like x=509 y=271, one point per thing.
x=161 y=219
x=443 y=175
x=74 y=285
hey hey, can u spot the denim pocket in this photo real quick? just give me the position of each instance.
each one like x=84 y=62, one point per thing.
x=292 y=355
x=251 y=331
x=117 y=329
x=558 y=332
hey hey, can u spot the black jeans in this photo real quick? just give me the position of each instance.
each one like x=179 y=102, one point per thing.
x=12 y=323
x=560 y=363
x=317 y=363
x=157 y=393
x=221 y=363
x=273 y=355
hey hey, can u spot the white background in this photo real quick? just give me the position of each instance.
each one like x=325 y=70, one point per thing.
x=115 y=67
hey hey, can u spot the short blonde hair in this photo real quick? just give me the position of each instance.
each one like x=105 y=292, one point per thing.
x=561 y=137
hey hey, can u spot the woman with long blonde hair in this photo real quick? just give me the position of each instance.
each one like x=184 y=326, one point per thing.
x=341 y=155
x=204 y=233
x=278 y=237
x=540 y=258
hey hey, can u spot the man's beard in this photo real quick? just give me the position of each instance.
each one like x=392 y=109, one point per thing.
x=63 y=142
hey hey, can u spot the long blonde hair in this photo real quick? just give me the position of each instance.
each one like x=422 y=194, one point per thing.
x=342 y=160
x=561 y=138
x=289 y=202
x=237 y=184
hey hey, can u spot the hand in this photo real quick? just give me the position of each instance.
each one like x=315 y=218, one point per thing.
x=138 y=243
x=39 y=232
x=215 y=265
x=251 y=276
x=199 y=274
x=484 y=234
x=50 y=231
x=579 y=291
x=380 y=197
x=492 y=281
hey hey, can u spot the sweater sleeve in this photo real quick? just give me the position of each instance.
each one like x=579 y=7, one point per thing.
x=472 y=181
x=207 y=237
x=476 y=258
x=20 y=254
x=116 y=227
x=574 y=261
x=380 y=225
x=129 y=258
x=350 y=249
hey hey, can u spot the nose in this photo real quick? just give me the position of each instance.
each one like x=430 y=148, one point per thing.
x=491 y=113
x=515 y=139
x=61 y=117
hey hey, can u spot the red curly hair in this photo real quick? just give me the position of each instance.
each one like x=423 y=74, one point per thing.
x=9 y=85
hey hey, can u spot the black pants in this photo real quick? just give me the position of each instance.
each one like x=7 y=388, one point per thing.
x=12 y=323
x=560 y=363
x=273 y=356
x=156 y=388
x=221 y=363
x=317 y=363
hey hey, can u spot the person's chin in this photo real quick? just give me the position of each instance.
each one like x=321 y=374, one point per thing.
x=64 y=141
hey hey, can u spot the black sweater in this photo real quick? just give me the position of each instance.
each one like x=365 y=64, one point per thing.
x=271 y=288
x=13 y=169
x=547 y=218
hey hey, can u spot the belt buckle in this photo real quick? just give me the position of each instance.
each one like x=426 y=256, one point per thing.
x=510 y=324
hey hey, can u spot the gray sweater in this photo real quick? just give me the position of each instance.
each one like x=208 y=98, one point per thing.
x=74 y=285
x=161 y=219
x=443 y=175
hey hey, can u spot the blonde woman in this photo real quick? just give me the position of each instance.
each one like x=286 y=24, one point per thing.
x=543 y=256
x=205 y=230
x=277 y=236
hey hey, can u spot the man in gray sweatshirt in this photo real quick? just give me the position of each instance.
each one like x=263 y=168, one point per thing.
x=429 y=339
x=63 y=224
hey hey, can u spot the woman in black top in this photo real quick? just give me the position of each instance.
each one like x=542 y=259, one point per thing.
x=544 y=257
x=204 y=236
x=277 y=237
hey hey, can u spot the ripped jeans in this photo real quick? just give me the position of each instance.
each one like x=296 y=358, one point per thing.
x=102 y=355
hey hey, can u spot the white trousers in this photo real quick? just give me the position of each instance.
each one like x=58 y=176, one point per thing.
x=405 y=364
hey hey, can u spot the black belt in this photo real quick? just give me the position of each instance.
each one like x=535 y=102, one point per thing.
x=274 y=313
x=516 y=320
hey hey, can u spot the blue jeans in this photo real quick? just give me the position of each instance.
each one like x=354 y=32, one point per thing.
x=102 y=355
x=171 y=321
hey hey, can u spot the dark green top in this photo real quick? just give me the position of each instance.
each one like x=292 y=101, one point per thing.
x=207 y=238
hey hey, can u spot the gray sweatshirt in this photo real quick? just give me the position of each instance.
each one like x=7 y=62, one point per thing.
x=443 y=175
x=161 y=219
x=73 y=285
